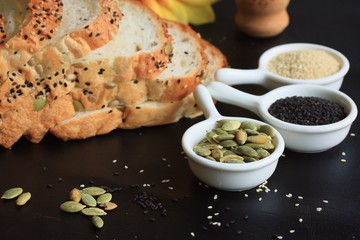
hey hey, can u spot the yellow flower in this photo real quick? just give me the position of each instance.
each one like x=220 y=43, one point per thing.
x=186 y=11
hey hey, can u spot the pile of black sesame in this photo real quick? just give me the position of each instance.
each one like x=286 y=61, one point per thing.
x=307 y=110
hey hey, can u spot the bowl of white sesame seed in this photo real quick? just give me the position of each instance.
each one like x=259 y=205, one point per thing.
x=294 y=63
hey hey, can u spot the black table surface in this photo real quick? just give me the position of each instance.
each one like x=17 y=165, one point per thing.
x=312 y=196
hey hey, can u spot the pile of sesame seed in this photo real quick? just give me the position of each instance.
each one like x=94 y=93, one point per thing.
x=304 y=64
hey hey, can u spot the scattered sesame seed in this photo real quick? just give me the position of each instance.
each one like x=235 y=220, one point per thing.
x=291 y=231
x=260 y=199
x=301 y=220
x=343 y=153
x=289 y=195
x=126 y=167
x=210 y=207
x=343 y=160
x=114 y=161
x=246 y=195
x=352 y=134
x=318 y=209
x=141 y=171
x=215 y=197
x=300 y=197
x=192 y=234
x=297 y=204
x=325 y=201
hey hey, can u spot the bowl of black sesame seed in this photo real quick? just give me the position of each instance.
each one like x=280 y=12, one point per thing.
x=294 y=63
x=311 y=118
x=242 y=165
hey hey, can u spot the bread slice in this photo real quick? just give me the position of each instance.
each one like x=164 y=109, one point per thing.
x=141 y=49
x=152 y=113
x=186 y=69
x=44 y=78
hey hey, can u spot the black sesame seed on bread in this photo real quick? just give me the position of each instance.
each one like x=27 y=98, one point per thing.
x=110 y=64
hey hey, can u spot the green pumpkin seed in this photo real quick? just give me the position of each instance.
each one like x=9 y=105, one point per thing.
x=23 y=199
x=248 y=159
x=268 y=130
x=88 y=200
x=228 y=143
x=106 y=197
x=94 y=191
x=72 y=207
x=108 y=206
x=217 y=154
x=202 y=151
x=75 y=195
x=223 y=137
x=247 y=151
x=267 y=145
x=249 y=125
x=230 y=125
x=12 y=193
x=78 y=106
x=232 y=159
x=262 y=152
x=93 y=211
x=39 y=104
x=97 y=221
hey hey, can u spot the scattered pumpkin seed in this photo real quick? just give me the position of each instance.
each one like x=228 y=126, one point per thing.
x=106 y=197
x=97 y=221
x=23 y=199
x=108 y=206
x=94 y=191
x=88 y=200
x=93 y=211
x=12 y=193
x=72 y=206
x=75 y=195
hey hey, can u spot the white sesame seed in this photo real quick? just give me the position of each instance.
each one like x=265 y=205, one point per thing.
x=209 y=217
x=289 y=195
x=352 y=134
x=170 y=188
x=141 y=171
x=275 y=190
x=126 y=167
x=82 y=185
x=283 y=155
x=216 y=214
x=246 y=195
x=164 y=159
x=343 y=160
x=297 y=204
x=215 y=197
x=300 y=197
x=260 y=199
x=325 y=201
x=210 y=207
x=279 y=237
x=318 y=209
x=114 y=161
x=192 y=234
x=165 y=180
x=343 y=153
x=292 y=231
x=301 y=220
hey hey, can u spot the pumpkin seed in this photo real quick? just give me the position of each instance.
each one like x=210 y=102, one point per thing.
x=23 y=199
x=268 y=130
x=202 y=151
x=249 y=125
x=94 y=191
x=72 y=207
x=261 y=138
x=247 y=151
x=78 y=106
x=39 y=104
x=225 y=136
x=106 y=197
x=108 y=206
x=228 y=143
x=97 y=221
x=88 y=200
x=241 y=136
x=262 y=152
x=75 y=195
x=93 y=211
x=217 y=154
x=232 y=159
x=230 y=125
x=12 y=193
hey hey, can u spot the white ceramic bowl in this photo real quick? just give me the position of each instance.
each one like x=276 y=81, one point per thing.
x=299 y=138
x=270 y=80
x=226 y=176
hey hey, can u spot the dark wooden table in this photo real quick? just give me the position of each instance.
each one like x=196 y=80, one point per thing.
x=312 y=196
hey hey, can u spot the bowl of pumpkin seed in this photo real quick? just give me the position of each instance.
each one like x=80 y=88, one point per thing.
x=230 y=153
